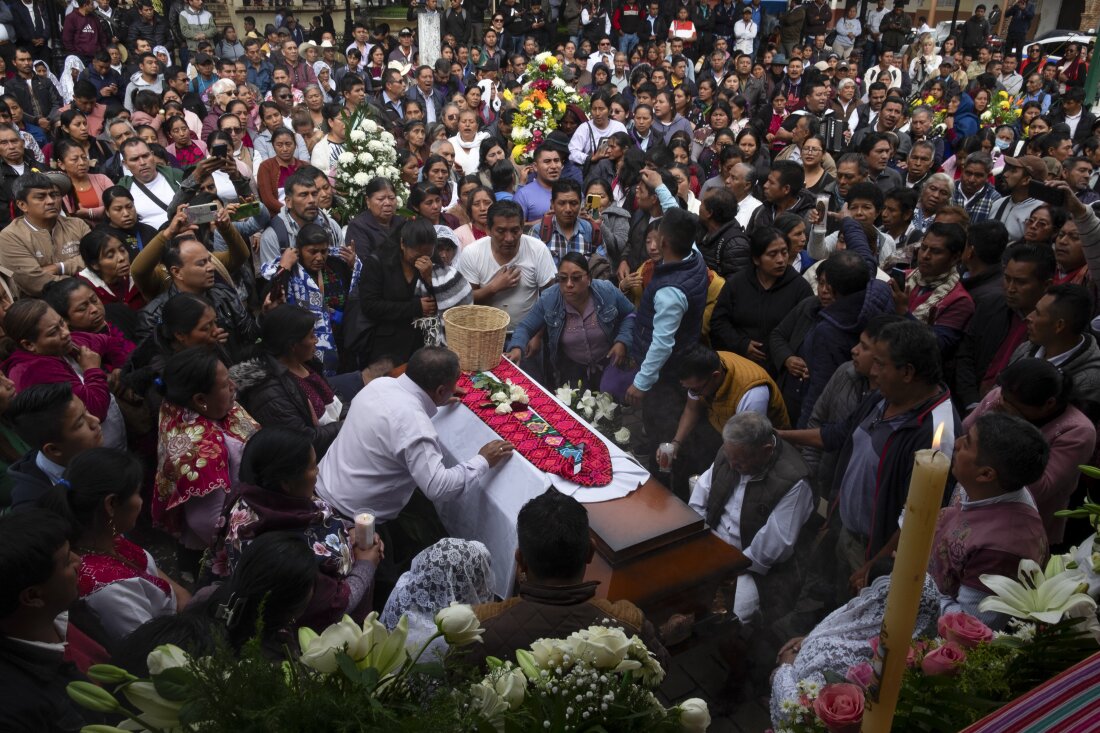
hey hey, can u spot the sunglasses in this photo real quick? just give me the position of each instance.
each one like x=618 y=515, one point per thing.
x=283 y=96
x=232 y=130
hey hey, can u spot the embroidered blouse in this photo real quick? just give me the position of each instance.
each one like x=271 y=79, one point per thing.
x=126 y=590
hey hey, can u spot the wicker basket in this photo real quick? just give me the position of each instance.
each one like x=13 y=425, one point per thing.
x=476 y=334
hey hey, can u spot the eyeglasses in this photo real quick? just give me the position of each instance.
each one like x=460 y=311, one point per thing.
x=701 y=393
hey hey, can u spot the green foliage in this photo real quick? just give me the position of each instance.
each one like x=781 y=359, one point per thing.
x=254 y=694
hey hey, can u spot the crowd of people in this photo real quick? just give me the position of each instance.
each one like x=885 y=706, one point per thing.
x=794 y=244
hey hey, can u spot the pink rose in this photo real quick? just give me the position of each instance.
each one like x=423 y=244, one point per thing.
x=944 y=660
x=964 y=629
x=862 y=674
x=874 y=646
x=840 y=707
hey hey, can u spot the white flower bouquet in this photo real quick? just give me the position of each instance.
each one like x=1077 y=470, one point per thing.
x=598 y=408
x=594 y=679
x=370 y=151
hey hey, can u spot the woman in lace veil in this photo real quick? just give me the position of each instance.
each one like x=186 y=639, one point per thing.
x=842 y=640
x=451 y=570
x=69 y=74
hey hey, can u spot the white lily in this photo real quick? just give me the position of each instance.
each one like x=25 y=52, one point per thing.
x=379 y=647
x=565 y=395
x=154 y=709
x=1036 y=595
x=319 y=652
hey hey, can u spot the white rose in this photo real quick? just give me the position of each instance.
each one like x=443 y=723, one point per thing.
x=366 y=158
x=512 y=687
x=346 y=158
x=459 y=624
x=357 y=136
x=622 y=436
x=319 y=652
x=694 y=716
x=361 y=179
x=600 y=646
x=548 y=653
x=504 y=408
x=400 y=201
x=166 y=656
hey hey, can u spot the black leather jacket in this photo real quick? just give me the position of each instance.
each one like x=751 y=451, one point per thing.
x=229 y=311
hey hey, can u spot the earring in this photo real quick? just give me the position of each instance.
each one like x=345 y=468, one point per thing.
x=111 y=526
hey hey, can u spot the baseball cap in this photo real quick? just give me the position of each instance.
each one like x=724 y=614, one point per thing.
x=61 y=180
x=947 y=61
x=203 y=58
x=1033 y=164
x=405 y=32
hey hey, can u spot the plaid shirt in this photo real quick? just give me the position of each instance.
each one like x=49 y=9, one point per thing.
x=559 y=244
x=980 y=207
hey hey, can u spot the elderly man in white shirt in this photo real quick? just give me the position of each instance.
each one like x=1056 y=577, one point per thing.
x=757 y=497
x=388 y=446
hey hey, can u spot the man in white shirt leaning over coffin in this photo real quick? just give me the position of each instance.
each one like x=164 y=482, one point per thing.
x=757 y=497
x=389 y=448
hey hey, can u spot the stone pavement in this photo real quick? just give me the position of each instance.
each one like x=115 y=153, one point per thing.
x=700 y=672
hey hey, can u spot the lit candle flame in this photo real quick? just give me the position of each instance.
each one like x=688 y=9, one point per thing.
x=937 y=436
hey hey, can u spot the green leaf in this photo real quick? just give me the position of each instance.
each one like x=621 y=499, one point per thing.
x=193 y=712
x=347 y=665
x=174 y=684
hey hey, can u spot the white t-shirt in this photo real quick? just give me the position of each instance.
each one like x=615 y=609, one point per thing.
x=148 y=211
x=478 y=266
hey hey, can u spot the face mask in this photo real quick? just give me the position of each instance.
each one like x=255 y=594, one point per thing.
x=1002 y=144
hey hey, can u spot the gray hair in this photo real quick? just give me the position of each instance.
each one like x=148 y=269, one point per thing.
x=223 y=86
x=748 y=428
x=844 y=83
x=923 y=109
x=981 y=158
x=119 y=121
x=942 y=179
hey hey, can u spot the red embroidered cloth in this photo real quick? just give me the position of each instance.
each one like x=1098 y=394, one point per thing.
x=539 y=449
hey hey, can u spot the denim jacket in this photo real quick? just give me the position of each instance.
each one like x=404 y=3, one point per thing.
x=611 y=306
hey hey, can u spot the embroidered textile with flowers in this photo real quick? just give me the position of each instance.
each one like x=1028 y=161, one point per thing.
x=98 y=570
x=193 y=457
x=543 y=432
x=252 y=511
